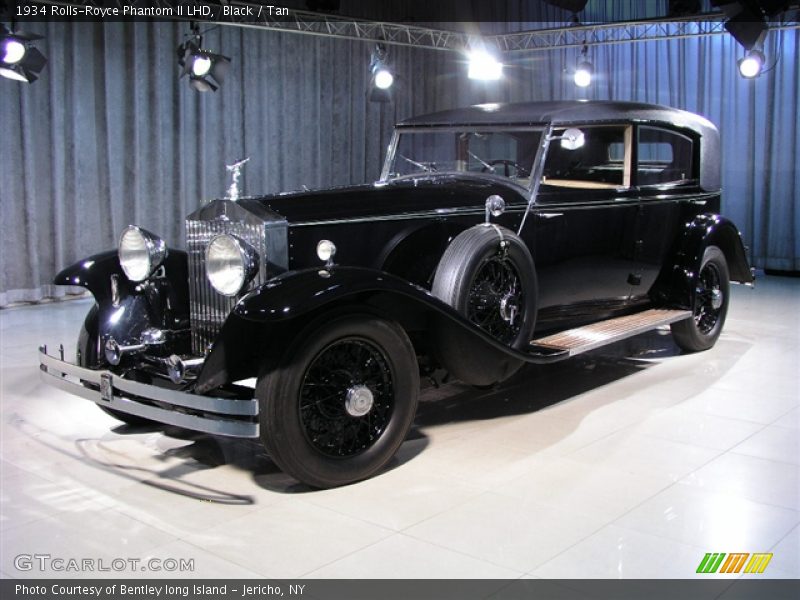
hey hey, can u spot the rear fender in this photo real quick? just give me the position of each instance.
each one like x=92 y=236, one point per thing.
x=677 y=279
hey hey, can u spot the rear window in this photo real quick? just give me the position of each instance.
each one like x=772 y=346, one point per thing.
x=664 y=157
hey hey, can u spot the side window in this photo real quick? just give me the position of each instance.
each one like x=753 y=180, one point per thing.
x=664 y=157
x=599 y=159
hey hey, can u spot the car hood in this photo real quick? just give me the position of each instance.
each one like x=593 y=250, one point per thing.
x=408 y=195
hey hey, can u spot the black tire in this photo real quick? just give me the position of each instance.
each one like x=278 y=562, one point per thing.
x=483 y=272
x=90 y=355
x=311 y=421
x=710 y=301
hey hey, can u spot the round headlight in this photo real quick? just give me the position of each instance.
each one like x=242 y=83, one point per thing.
x=140 y=253
x=230 y=264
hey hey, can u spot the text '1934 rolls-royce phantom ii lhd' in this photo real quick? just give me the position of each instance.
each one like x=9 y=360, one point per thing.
x=497 y=235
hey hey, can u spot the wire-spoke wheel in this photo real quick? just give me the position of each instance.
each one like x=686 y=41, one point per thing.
x=496 y=302
x=342 y=401
x=346 y=398
x=710 y=304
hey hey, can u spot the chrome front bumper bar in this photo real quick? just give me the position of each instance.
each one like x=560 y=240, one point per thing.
x=218 y=416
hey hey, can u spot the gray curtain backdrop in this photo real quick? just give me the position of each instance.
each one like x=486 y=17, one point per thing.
x=109 y=136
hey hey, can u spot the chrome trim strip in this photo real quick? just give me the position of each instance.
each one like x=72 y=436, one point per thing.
x=515 y=208
x=56 y=370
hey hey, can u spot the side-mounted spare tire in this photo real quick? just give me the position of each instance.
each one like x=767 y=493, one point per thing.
x=487 y=274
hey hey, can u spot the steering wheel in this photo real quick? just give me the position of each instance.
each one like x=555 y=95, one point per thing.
x=507 y=166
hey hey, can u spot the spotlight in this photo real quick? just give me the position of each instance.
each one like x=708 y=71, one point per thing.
x=584 y=69
x=484 y=67
x=205 y=69
x=19 y=60
x=384 y=79
x=750 y=66
x=382 y=76
x=583 y=74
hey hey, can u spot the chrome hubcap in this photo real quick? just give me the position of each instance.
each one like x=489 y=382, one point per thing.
x=716 y=298
x=358 y=401
x=509 y=308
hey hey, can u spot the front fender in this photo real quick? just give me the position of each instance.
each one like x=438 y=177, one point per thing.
x=94 y=273
x=296 y=293
x=678 y=278
x=266 y=320
x=162 y=301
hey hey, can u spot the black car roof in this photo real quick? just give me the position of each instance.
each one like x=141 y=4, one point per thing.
x=569 y=112
x=559 y=112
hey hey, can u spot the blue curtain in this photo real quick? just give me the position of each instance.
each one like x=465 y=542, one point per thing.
x=109 y=135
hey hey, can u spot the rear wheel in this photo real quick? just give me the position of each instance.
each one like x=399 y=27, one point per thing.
x=342 y=402
x=710 y=304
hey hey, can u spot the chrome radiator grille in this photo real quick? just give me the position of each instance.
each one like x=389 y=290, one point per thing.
x=208 y=309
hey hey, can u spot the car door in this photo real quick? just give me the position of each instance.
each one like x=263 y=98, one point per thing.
x=584 y=223
x=665 y=175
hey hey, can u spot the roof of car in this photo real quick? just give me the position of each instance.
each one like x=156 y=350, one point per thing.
x=561 y=112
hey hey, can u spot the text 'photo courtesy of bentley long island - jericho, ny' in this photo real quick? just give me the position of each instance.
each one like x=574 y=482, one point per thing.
x=497 y=235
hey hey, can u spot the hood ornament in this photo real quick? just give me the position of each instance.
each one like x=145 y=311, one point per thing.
x=236 y=172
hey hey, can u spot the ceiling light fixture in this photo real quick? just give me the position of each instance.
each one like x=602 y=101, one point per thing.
x=751 y=64
x=584 y=70
x=382 y=78
x=19 y=60
x=483 y=66
x=205 y=69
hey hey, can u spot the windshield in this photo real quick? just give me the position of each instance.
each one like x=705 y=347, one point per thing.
x=503 y=153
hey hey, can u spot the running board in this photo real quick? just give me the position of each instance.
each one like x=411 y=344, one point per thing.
x=582 y=339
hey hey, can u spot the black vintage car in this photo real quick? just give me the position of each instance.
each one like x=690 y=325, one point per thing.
x=497 y=235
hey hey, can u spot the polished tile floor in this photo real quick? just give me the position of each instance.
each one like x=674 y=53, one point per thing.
x=632 y=461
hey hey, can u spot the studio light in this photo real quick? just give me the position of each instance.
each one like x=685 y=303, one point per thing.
x=751 y=65
x=205 y=69
x=484 y=67
x=583 y=74
x=19 y=60
x=382 y=78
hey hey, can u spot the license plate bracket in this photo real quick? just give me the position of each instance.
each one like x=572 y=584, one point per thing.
x=106 y=387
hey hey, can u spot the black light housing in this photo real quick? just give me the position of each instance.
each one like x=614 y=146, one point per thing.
x=19 y=59
x=205 y=69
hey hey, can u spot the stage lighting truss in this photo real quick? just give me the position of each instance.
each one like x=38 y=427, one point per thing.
x=19 y=59
x=205 y=69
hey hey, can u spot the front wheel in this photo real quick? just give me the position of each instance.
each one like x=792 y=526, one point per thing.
x=342 y=401
x=710 y=304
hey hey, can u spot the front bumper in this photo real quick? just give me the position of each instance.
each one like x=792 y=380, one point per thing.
x=218 y=416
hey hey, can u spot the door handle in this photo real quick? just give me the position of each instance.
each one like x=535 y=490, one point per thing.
x=549 y=215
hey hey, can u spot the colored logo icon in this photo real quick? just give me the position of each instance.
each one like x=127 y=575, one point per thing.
x=738 y=562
